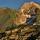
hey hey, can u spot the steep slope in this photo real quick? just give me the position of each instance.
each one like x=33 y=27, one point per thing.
x=25 y=12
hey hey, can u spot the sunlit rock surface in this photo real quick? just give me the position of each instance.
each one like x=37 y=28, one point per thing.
x=22 y=31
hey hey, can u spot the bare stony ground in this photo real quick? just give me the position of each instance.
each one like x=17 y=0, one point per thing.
x=22 y=33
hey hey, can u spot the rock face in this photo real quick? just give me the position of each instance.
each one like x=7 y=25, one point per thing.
x=24 y=12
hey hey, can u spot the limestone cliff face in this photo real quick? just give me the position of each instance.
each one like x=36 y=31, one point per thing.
x=24 y=12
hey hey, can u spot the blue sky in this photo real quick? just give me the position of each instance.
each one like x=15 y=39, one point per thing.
x=14 y=3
